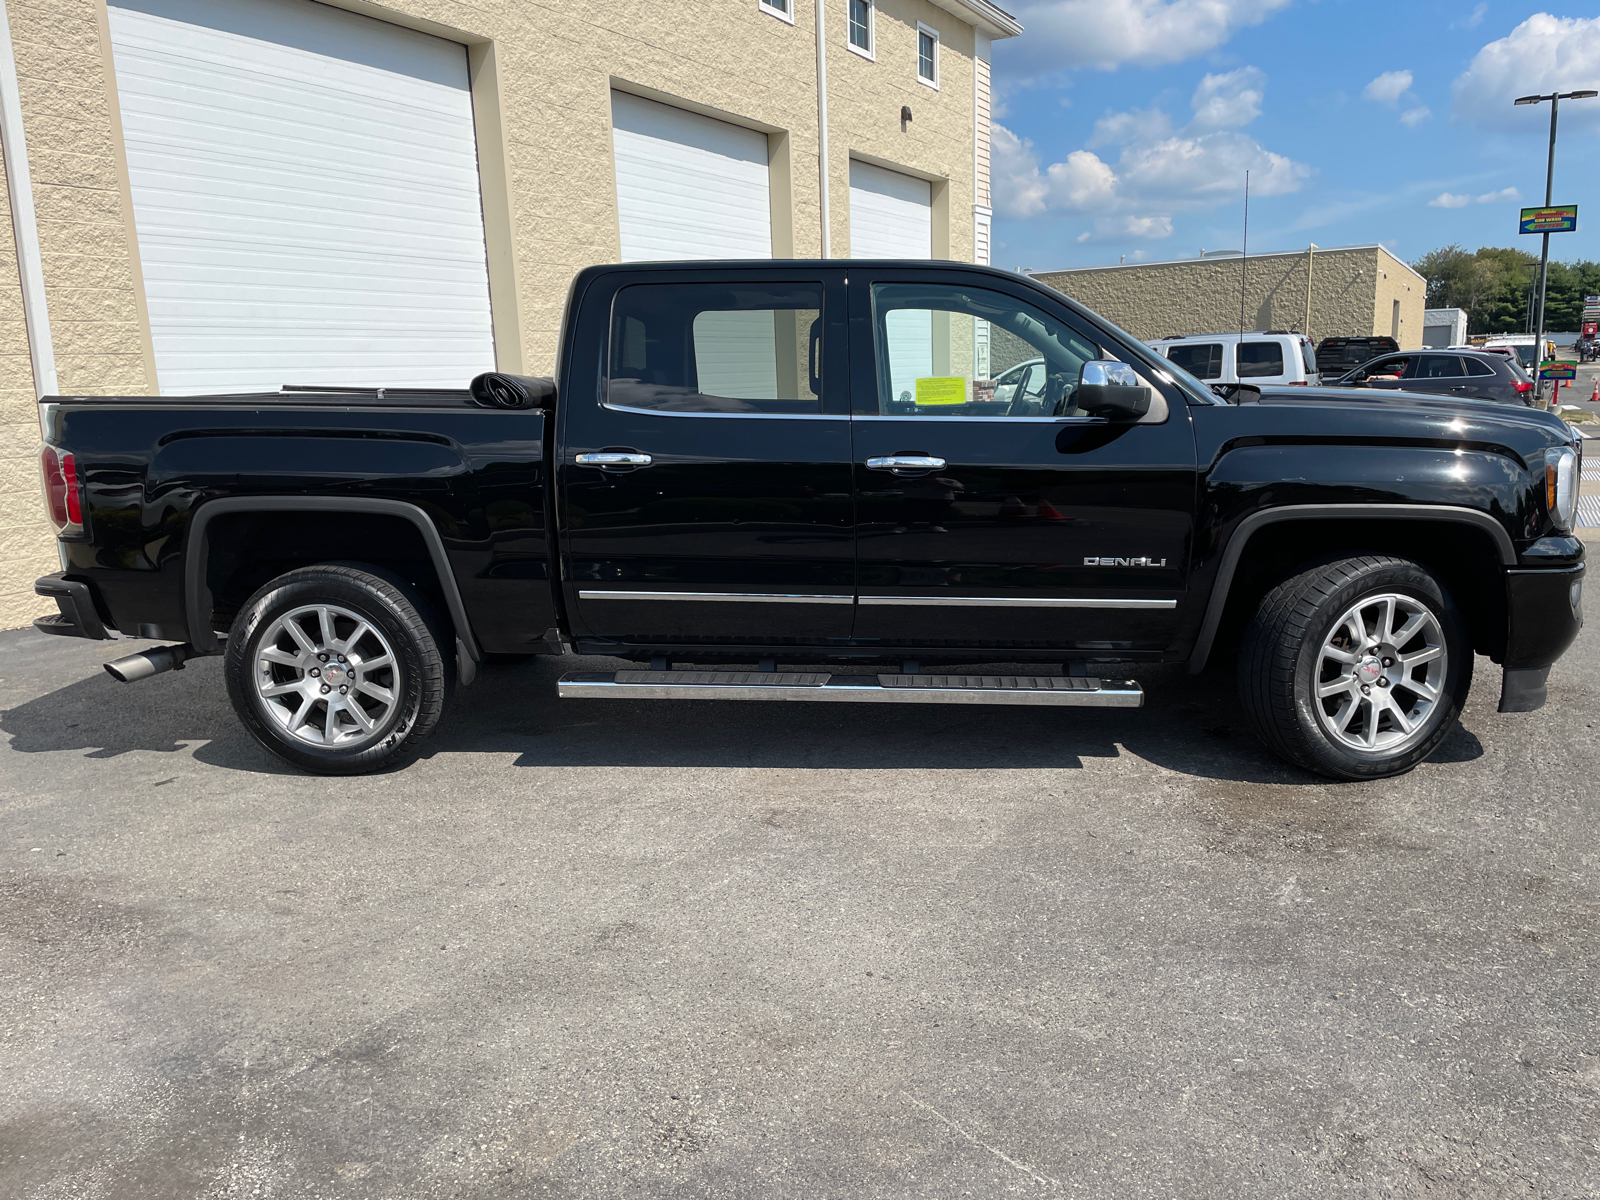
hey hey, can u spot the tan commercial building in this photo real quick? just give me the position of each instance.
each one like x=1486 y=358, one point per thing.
x=1350 y=291
x=232 y=195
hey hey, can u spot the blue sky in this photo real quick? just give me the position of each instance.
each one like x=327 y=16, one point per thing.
x=1125 y=127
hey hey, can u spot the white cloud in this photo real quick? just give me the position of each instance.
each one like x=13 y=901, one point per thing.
x=1472 y=20
x=1456 y=200
x=1158 y=172
x=1412 y=117
x=1014 y=180
x=1118 y=229
x=1225 y=101
x=1063 y=34
x=1207 y=170
x=1387 y=88
x=1543 y=54
x=1136 y=125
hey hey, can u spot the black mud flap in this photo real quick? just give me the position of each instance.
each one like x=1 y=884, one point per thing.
x=1523 y=690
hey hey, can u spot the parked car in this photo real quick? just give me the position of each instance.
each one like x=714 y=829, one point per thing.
x=1337 y=356
x=1518 y=346
x=1273 y=358
x=748 y=469
x=1469 y=373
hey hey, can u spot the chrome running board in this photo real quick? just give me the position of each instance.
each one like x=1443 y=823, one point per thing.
x=882 y=689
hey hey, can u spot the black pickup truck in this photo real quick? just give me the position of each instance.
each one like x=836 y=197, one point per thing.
x=806 y=481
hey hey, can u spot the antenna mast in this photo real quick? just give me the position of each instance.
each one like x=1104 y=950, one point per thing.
x=1244 y=259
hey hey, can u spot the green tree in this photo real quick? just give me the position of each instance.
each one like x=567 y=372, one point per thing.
x=1491 y=284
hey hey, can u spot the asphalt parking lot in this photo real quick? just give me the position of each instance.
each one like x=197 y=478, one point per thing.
x=657 y=950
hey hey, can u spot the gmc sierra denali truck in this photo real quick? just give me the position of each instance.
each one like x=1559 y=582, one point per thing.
x=828 y=482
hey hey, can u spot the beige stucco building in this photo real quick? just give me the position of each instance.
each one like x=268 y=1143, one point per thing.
x=166 y=254
x=1351 y=291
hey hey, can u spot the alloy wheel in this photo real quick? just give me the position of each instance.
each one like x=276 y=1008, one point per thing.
x=326 y=675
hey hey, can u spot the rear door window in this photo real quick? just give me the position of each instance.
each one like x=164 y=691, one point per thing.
x=1203 y=360
x=1436 y=366
x=1476 y=366
x=1259 y=360
x=717 y=348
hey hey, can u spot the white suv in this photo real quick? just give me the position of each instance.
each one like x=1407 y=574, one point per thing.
x=1272 y=358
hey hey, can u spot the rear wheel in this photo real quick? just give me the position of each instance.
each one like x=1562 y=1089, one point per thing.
x=1356 y=669
x=336 y=670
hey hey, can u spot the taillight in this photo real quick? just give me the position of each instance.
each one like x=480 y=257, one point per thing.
x=62 y=499
x=1521 y=385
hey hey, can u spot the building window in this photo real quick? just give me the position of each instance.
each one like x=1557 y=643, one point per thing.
x=927 y=55
x=782 y=9
x=861 y=22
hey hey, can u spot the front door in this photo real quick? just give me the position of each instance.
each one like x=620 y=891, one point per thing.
x=991 y=510
x=705 y=472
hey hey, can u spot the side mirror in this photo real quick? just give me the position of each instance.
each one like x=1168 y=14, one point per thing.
x=1107 y=388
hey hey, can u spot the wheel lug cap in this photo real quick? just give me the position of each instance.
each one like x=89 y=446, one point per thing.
x=1365 y=690
x=315 y=671
x=326 y=689
x=344 y=689
x=322 y=658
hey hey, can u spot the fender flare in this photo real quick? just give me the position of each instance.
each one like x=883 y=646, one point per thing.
x=197 y=594
x=1247 y=528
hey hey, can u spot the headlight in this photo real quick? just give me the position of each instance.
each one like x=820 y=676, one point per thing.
x=1561 y=486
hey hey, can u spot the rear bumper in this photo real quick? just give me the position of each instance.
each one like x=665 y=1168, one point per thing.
x=1544 y=612
x=76 y=615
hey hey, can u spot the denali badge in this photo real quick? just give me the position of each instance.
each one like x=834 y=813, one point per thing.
x=1124 y=562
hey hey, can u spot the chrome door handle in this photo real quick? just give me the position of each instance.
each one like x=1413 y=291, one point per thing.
x=611 y=460
x=905 y=462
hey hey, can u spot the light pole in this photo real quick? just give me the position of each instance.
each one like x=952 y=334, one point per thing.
x=1555 y=99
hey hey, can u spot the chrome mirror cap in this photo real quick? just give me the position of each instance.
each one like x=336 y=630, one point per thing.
x=1103 y=372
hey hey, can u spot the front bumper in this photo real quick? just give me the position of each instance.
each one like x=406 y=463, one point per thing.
x=1544 y=612
x=77 y=616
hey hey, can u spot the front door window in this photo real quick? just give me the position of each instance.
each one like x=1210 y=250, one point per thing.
x=970 y=352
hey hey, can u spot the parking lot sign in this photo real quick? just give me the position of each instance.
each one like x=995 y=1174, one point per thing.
x=1559 y=369
x=1560 y=218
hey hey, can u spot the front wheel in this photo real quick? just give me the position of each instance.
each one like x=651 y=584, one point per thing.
x=1356 y=669
x=336 y=670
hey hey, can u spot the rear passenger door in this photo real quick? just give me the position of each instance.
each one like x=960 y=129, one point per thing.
x=1441 y=374
x=705 y=469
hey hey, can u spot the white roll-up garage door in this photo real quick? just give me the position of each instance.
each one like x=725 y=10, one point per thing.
x=305 y=187
x=688 y=186
x=891 y=215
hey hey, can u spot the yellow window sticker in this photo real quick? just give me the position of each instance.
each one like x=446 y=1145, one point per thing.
x=942 y=389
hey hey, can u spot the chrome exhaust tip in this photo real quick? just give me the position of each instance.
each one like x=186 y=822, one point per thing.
x=151 y=662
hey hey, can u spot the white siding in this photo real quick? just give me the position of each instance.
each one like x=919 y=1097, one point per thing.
x=688 y=186
x=305 y=189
